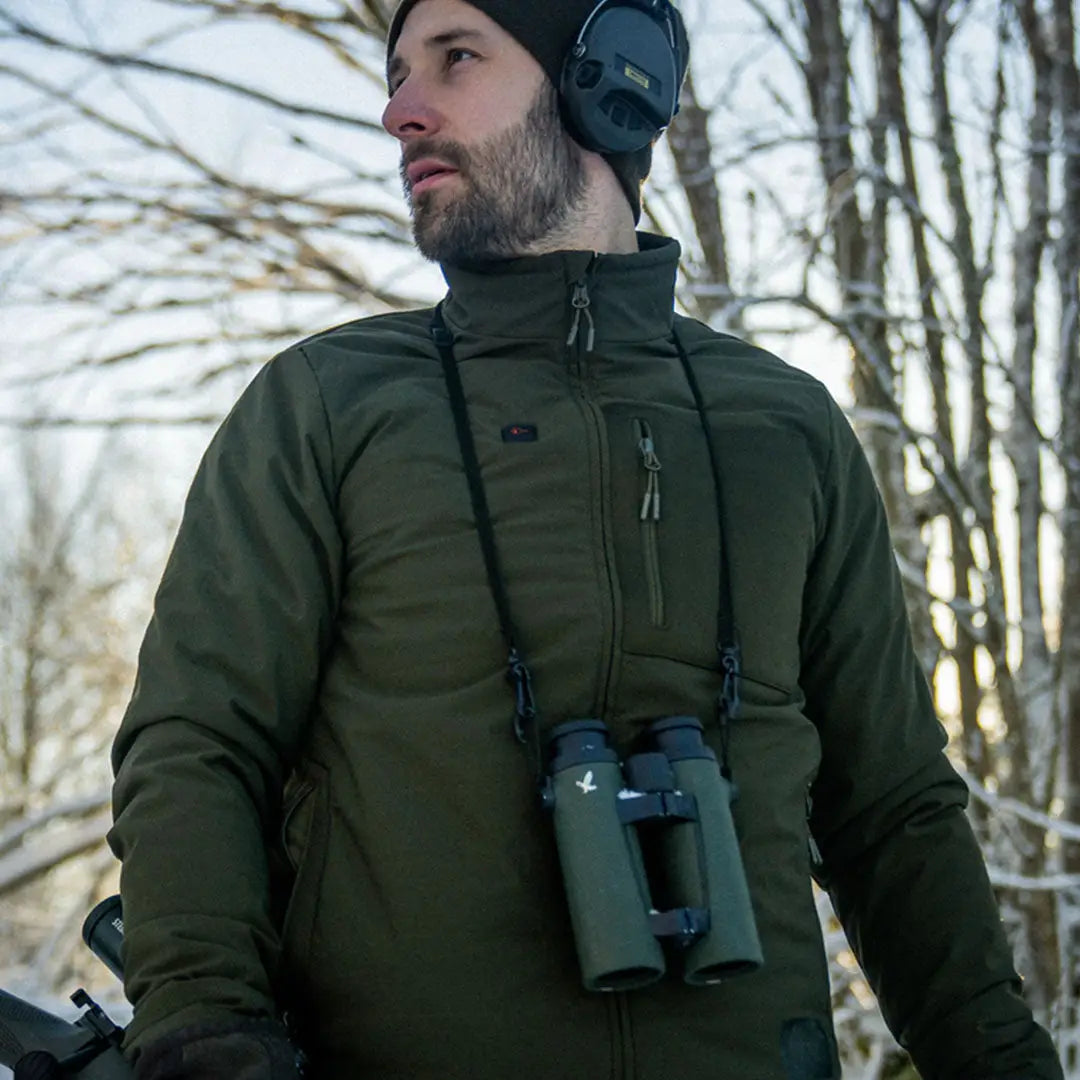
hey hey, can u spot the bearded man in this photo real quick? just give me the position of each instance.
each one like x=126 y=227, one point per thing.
x=419 y=535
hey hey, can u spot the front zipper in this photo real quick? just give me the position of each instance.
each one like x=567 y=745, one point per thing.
x=649 y=518
x=579 y=346
x=580 y=343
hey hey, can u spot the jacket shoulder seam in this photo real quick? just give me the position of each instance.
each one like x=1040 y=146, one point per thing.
x=302 y=350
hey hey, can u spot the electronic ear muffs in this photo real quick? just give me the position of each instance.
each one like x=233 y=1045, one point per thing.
x=620 y=81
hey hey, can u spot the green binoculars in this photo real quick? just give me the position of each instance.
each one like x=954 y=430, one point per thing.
x=649 y=854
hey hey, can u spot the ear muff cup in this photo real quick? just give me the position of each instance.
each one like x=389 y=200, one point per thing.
x=620 y=81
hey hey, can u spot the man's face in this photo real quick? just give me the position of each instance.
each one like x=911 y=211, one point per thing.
x=487 y=166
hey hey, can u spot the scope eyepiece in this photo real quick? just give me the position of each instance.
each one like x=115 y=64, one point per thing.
x=103 y=932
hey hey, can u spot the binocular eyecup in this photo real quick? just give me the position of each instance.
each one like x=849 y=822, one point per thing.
x=657 y=825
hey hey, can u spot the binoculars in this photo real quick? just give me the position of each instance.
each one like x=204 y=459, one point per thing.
x=649 y=854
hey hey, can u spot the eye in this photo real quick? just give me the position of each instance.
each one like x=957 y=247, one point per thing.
x=455 y=56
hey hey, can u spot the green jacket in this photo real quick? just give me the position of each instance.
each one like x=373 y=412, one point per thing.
x=324 y=665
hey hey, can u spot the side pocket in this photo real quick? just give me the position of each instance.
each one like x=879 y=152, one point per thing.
x=305 y=826
x=816 y=861
x=649 y=517
x=296 y=818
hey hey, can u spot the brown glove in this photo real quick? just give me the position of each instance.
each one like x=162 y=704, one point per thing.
x=244 y=1050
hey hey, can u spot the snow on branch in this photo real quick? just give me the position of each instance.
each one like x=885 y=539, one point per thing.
x=1001 y=804
x=25 y=864
x=11 y=836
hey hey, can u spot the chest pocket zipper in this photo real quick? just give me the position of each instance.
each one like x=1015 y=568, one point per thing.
x=649 y=517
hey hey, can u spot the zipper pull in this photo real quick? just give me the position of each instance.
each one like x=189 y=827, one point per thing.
x=581 y=303
x=650 y=504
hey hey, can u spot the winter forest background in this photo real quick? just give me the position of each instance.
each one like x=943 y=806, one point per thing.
x=884 y=192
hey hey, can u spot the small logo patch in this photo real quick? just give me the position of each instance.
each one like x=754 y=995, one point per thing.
x=519 y=433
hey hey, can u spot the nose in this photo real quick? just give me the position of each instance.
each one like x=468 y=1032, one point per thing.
x=409 y=113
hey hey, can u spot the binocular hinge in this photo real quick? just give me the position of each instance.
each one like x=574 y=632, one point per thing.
x=683 y=925
x=636 y=807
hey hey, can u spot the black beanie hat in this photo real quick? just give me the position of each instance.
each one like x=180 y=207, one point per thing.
x=548 y=29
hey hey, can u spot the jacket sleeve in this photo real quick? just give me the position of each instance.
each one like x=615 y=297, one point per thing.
x=899 y=859
x=226 y=677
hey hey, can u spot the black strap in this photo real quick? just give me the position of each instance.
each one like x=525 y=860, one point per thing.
x=727 y=637
x=526 y=718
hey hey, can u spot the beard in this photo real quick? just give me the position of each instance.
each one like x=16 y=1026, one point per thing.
x=519 y=187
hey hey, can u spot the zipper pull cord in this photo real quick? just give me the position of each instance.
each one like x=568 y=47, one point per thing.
x=581 y=303
x=650 y=505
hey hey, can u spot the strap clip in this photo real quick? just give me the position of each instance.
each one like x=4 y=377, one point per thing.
x=524 y=701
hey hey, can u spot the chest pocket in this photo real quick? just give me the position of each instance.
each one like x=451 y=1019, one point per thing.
x=665 y=533
x=667 y=542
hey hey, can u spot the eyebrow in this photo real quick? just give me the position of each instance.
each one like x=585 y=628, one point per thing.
x=436 y=41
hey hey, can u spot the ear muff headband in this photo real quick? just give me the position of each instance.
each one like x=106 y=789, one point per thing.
x=620 y=80
x=657 y=8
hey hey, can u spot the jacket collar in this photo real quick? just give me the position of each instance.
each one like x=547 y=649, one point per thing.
x=631 y=297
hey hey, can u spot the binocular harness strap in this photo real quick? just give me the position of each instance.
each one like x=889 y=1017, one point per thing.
x=526 y=716
x=727 y=636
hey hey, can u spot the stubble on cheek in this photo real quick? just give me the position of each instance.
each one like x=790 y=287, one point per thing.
x=516 y=188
